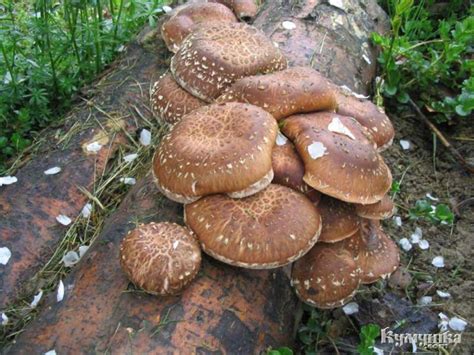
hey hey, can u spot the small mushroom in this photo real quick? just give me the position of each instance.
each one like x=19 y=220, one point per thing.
x=340 y=158
x=213 y=57
x=379 y=210
x=216 y=149
x=269 y=229
x=326 y=277
x=245 y=10
x=160 y=258
x=339 y=220
x=170 y=101
x=284 y=93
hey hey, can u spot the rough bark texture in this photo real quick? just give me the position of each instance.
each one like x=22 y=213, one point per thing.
x=226 y=310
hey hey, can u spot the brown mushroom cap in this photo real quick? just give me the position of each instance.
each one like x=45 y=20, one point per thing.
x=216 y=149
x=339 y=220
x=269 y=229
x=284 y=93
x=160 y=258
x=339 y=158
x=213 y=57
x=185 y=18
x=244 y=9
x=326 y=277
x=379 y=210
x=170 y=101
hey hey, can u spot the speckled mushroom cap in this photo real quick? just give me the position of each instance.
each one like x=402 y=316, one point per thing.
x=171 y=102
x=244 y=9
x=379 y=210
x=213 y=57
x=216 y=149
x=340 y=160
x=326 y=277
x=160 y=258
x=340 y=220
x=284 y=93
x=368 y=115
x=375 y=253
x=185 y=18
x=269 y=229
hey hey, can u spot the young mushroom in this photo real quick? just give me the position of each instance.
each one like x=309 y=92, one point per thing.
x=171 y=102
x=216 y=149
x=269 y=229
x=340 y=220
x=211 y=58
x=160 y=258
x=379 y=210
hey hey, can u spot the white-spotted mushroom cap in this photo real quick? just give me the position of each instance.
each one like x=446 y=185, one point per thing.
x=160 y=258
x=379 y=210
x=340 y=160
x=216 y=149
x=245 y=10
x=170 y=102
x=185 y=19
x=340 y=220
x=213 y=57
x=284 y=93
x=326 y=277
x=269 y=229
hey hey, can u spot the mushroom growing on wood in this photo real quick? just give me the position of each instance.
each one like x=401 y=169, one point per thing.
x=379 y=210
x=269 y=229
x=284 y=93
x=326 y=277
x=185 y=19
x=245 y=10
x=160 y=258
x=216 y=149
x=171 y=102
x=339 y=157
x=340 y=220
x=211 y=58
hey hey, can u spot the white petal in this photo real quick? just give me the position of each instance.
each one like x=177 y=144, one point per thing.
x=337 y=3
x=145 y=137
x=70 y=258
x=288 y=25
x=63 y=219
x=348 y=90
x=438 y=261
x=443 y=325
x=443 y=316
x=167 y=8
x=405 y=244
x=405 y=144
x=281 y=139
x=457 y=324
x=36 y=299
x=378 y=351
x=51 y=352
x=128 y=181
x=82 y=250
x=431 y=197
x=316 y=150
x=398 y=221
x=416 y=236
x=130 y=157
x=60 y=294
x=7 y=180
x=367 y=59
x=4 y=319
x=338 y=127
x=121 y=48
x=424 y=244
x=86 y=210
x=94 y=147
x=52 y=171
x=443 y=294
x=351 y=308
x=5 y=255
x=425 y=300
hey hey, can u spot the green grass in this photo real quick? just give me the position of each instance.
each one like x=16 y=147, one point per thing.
x=49 y=50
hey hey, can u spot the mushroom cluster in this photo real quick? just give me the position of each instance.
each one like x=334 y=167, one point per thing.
x=275 y=165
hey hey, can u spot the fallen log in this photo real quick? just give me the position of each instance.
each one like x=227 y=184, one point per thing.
x=226 y=309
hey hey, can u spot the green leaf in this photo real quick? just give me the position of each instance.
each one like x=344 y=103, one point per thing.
x=443 y=213
x=281 y=351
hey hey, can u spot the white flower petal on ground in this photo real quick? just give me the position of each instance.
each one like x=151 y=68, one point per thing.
x=63 y=219
x=60 y=293
x=350 y=308
x=337 y=3
x=7 y=180
x=130 y=157
x=423 y=244
x=5 y=255
x=425 y=300
x=51 y=352
x=337 y=126
x=167 y=8
x=405 y=244
x=431 y=197
x=4 y=319
x=443 y=323
x=405 y=144
x=36 y=299
x=438 y=261
x=288 y=25
x=70 y=258
x=52 y=171
x=367 y=59
x=316 y=150
x=457 y=324
x=397 y=220
x=86 y=210
x=82 y=250
x=128 y=180
x=94 y=147
x=281 y=139
x=443 y=294
x=378 y=351
x=145 y=137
